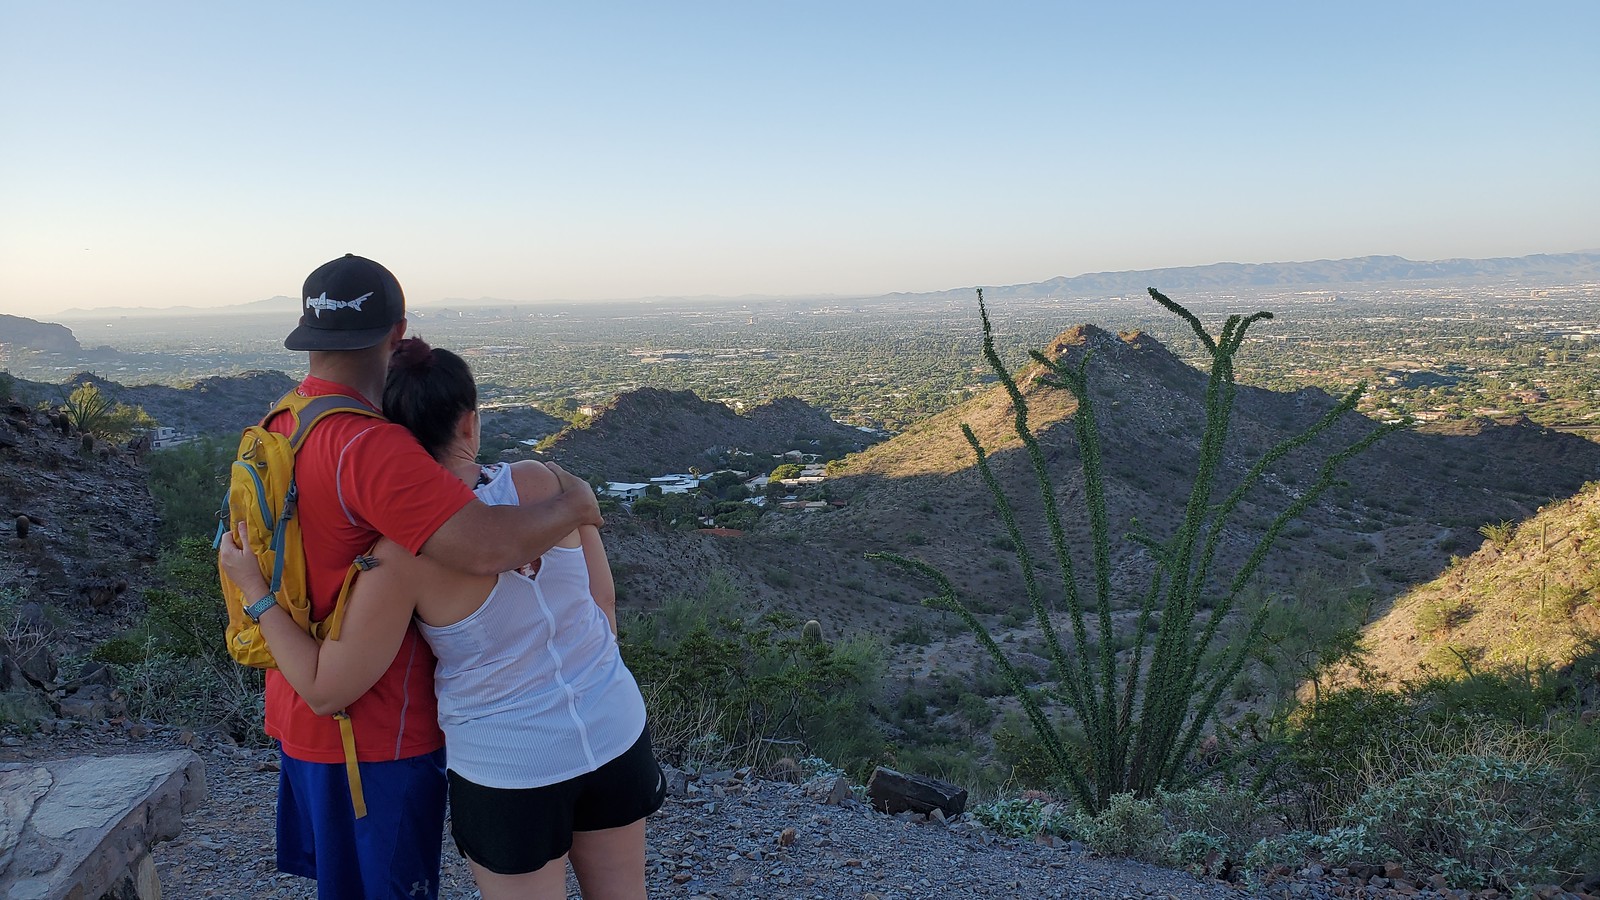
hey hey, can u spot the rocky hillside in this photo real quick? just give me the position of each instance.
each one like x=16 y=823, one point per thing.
x=650 y=431
x=79 y=539
x=1530 y=596
x=220 y=405
x=27 y=333
x=1411 y=502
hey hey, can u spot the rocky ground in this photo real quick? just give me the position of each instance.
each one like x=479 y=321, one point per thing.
x=722 y=838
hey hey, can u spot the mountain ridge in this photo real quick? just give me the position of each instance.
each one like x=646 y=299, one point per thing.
x=1320 y=273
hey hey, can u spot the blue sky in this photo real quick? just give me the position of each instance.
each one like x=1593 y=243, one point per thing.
x=158 y=154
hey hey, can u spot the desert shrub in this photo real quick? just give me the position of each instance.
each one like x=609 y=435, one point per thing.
x=1330 y=740
x=1486 y=777
x=708 y=668
x=1498 y=533
x=162 y=686
x=1126 y=826
x=188 y=483
x=975 y=710
x=172 y=665
x=1018 y=748
x=1291 y=848
x=8 y=386
x=1482 y=821
x=1214 y=818
x=90 y=411
x=1195 y=850
x=948 y=757
x=1024 y=817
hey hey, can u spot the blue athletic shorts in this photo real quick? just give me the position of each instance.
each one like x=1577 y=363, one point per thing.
x=391 y=853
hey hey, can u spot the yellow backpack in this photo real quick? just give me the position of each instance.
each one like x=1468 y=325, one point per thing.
x=262 y=494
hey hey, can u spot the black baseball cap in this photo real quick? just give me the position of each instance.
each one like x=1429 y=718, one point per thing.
x=350 y=304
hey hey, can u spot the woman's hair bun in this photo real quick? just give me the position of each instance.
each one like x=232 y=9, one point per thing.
x=412 y=353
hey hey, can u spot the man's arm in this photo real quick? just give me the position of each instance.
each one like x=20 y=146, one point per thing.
x=487 y=540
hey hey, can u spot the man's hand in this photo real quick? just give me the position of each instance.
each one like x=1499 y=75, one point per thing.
x=576 y=490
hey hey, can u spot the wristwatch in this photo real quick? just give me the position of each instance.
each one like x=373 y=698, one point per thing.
x=259 y=608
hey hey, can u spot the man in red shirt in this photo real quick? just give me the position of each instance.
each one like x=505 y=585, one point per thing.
x=358 y=478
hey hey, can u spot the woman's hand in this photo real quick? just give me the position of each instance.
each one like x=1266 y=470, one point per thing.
x=241 y=566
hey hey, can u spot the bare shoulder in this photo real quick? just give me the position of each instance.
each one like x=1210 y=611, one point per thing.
x=534 y=480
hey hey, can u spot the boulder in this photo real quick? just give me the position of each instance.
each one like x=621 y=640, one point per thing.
x=81 y=828
x=893 y=792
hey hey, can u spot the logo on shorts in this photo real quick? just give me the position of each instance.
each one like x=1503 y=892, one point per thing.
x=418 y=887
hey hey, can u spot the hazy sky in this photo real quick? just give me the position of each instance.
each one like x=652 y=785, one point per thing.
x=157 y=154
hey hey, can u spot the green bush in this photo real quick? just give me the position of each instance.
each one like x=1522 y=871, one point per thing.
x=706 y=667
x=1024 y=817
x=164 y=687
x=1330 y=741
x=188 y=483
x=173 y=666
x=90 y=411
x=1487 y=777
x=1483 y=821
x=1126 y=826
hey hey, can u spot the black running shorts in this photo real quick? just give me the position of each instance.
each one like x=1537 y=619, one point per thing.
x=512 y=831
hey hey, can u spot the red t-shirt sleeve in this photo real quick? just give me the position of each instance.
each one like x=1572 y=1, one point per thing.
x=388 y=483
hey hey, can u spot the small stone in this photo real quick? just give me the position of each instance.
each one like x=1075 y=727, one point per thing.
x=681 y=877
x=786 y=838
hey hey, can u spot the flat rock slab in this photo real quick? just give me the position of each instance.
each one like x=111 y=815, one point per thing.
x=77 y=828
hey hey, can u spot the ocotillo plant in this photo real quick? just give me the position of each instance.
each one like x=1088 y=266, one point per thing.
x=1140 y=719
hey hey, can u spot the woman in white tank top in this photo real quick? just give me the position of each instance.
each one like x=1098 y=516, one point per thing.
x=548 y=755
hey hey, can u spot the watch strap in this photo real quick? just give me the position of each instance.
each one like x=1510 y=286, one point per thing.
x=259 y=608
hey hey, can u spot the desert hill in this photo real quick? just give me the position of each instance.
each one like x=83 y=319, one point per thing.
x=1529 y=597
x=650 y=431
x=1409 y=503
x=33 y=335
x=216 y=405
x=517 y=422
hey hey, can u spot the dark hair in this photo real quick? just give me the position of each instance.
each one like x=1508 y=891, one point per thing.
x=428 y=391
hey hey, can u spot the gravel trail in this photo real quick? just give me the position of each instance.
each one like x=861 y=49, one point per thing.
x=726 y=839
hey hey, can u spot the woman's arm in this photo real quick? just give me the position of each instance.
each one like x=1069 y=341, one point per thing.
x=332 y=674
x=600 y=582
x=488 y=540
x=536 y=482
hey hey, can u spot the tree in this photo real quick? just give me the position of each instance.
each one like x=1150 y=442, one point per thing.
x=787 y=470
x=1138 y=722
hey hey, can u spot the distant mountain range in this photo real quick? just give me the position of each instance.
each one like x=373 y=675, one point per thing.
x=1583 y=265
x=1325 y=273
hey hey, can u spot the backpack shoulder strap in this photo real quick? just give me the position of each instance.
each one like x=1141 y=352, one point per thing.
x=328 y=629
x=305 y=412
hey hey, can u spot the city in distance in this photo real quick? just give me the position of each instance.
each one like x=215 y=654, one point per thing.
x=1434 y=340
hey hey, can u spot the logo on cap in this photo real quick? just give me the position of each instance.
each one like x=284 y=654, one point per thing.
x=318 y=304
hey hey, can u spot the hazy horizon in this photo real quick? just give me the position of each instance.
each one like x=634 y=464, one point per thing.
x=205 y=156
x=284 y=303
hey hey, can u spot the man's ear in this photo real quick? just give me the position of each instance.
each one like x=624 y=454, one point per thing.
x=396 y=334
